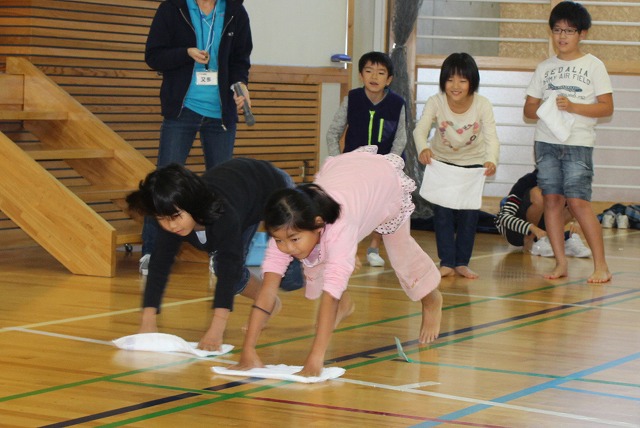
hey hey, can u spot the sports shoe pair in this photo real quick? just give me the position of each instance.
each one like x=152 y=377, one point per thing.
x=573 y=247
x=610 y=219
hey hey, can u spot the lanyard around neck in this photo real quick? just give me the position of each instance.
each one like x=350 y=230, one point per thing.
x=208 y=42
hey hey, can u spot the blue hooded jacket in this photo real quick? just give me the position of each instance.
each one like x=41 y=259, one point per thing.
x=172 y=33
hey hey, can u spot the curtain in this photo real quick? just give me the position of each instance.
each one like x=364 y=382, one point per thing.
x=405 y=14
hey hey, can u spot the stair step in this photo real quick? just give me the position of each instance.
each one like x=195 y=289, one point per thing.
x=127 y=231
x=55 y=154
x=33 y=115
x=100 y=193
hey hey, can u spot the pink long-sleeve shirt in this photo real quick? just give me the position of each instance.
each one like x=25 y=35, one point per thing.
x=369 y=192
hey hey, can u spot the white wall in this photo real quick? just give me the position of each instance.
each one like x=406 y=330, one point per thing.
x=297 y=33
x=306 y=34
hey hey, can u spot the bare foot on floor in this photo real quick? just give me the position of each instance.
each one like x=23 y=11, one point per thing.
x=466 y=272
x=559 y=271
x=446 y=271
x=345 y=308
x=431 y=317
x=600 y=277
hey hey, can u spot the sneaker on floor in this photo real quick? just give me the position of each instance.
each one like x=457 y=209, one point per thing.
x=622 y=221
x=608 y=220
x=574 y=247
x=542 y=247
x=143 y=265
x=375 y=260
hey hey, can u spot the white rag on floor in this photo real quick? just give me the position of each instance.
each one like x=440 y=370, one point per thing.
x=282 y=372
x=558 y=121
x=161 y=342
x=453 y=186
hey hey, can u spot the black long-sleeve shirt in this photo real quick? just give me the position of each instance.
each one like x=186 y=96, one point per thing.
x=244 y=185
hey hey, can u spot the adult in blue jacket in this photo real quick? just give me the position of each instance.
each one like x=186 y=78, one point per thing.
x=201 y=48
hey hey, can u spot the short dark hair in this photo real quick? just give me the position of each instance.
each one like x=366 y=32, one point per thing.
x=172 y=188
x=374 y=57
x=575 y=14
x=299 y=207
x=460 y=64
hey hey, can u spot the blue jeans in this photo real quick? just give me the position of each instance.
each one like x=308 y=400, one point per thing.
x=564 y=170
x=455 y=235
x=176 y=139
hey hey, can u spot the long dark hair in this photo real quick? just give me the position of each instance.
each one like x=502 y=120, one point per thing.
x=298 y=208
x=170 y=189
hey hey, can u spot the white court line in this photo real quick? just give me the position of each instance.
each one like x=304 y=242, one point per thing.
x=109 y=343
x=487 y=403
x=100 y=315
x=419 y=385
x=361 y=275
x=409 y=388
x=508 y=299
x=403 y=388
x=504 y=253
x=64 y=336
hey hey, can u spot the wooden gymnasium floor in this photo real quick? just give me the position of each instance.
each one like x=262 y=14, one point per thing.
x=515 y=350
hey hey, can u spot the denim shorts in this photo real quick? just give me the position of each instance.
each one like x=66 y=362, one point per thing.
x=564 y=170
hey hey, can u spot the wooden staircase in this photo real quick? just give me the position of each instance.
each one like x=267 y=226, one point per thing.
x=59 y=217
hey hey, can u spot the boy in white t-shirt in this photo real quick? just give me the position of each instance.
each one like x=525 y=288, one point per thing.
x=581 y=86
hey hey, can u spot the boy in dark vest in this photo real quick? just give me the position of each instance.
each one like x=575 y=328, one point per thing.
x=372 y=114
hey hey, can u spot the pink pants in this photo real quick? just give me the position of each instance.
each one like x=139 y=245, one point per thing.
x=414 y=268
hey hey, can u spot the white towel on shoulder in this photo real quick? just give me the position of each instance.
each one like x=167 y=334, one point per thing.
x=453 y=186
x=282 y=372
x=558 y=121
x=161 y=342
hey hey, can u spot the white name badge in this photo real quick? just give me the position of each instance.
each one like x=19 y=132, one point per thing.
x=207 y=78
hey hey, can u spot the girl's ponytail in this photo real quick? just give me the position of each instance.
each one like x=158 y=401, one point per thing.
x=299 y=208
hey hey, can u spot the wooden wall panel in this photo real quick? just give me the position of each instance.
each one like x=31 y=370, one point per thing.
x=95 y=51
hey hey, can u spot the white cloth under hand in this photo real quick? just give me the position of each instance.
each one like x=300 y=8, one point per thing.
x=282 y=372
x=453 y=186
x=558 y=121
x=161 y=342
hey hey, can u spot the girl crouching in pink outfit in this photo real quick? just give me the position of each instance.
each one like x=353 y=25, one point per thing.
x=321 y=225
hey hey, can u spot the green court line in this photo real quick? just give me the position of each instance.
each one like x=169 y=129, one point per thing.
x=379 y=359
x=519 y=373
x=168 y=387
x=94 y=380
x=488 y=333
x=224 y=397
x=244 y=394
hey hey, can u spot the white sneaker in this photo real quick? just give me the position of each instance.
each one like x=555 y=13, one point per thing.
x=622 y=221
x=375 y=260
x=143 y=265
x=542 y=247
x=574 y=247
x=608 y=220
